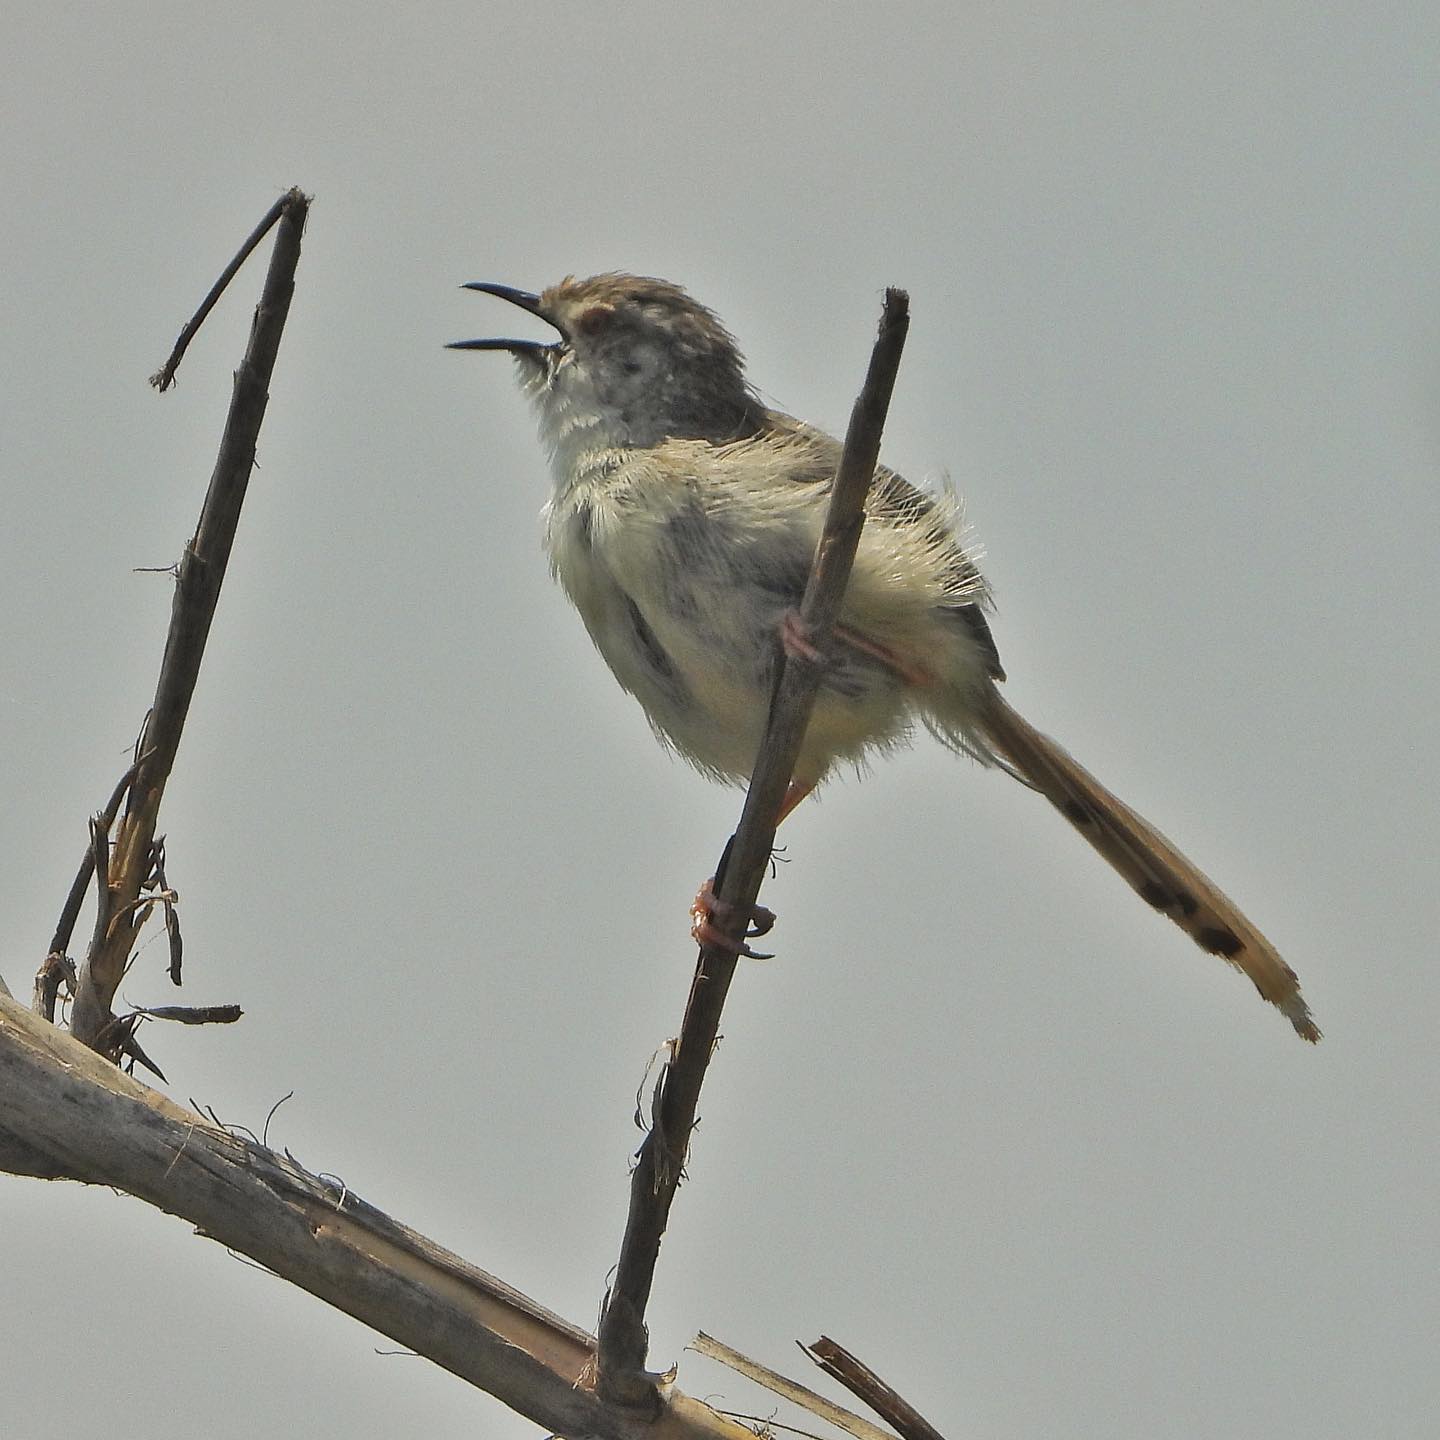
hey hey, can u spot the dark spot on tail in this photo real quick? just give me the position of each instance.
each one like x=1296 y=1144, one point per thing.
x=1077 y=812
x=1220 y=942
x=1152 y=892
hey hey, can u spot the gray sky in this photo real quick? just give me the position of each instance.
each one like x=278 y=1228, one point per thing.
x=985 y=1120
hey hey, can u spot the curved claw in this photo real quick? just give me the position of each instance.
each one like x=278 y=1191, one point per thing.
x=708 y=907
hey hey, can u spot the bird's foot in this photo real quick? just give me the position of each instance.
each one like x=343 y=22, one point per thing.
x=795 y=639
x=708 y=908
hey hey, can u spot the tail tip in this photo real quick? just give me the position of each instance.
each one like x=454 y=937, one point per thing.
x=1297 y=1012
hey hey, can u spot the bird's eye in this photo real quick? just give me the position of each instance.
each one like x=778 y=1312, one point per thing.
x=595 y=319
x=630 y=366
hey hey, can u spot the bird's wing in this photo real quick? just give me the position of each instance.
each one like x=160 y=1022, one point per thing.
x=812 y=457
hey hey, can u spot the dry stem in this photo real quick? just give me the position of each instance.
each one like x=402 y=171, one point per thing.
x=623 y=1339
x=197 y=590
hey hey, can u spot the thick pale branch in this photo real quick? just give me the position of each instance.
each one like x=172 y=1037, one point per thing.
x=69 y=1114
x=623 y=1341
x=197 y=590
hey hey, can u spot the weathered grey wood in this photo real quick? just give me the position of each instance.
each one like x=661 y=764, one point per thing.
x=66 y=1113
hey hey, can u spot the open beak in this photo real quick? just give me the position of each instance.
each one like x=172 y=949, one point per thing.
x=532 y=349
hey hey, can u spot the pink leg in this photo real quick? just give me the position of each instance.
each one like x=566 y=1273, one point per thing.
x=911 y=674
x=795 y=640
x=707 y=907
x=793 y=796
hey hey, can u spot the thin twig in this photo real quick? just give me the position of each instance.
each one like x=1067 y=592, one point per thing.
x=70 y=911
x=859 y=1379
x=172 y=935
x=100 y=869
x=118 y=1040
x=623 y=1339
x=791 y=1390
x=192 y=1014
x=197 y=590
x=164 y=377
x=767 y=1425
x=55 y=970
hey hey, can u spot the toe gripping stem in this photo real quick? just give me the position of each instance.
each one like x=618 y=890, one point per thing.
x=709 y=908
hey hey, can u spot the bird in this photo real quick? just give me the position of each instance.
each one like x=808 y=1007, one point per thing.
x=682 y=524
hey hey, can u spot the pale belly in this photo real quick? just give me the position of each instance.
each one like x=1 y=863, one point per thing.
x=696 y=644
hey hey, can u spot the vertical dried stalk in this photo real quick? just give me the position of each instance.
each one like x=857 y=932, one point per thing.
x=623 y=1340
x=197 y=589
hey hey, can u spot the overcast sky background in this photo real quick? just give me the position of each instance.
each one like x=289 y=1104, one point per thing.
x=984 y=1119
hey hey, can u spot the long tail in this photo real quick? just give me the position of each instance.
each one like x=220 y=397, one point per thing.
x=1154 y=868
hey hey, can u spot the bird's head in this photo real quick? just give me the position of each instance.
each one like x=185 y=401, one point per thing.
x=636 y=359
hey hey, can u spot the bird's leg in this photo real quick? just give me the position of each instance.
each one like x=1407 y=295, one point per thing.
x=794 y=794
x=910 y=672
x=708 y=907
x=798 y=644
